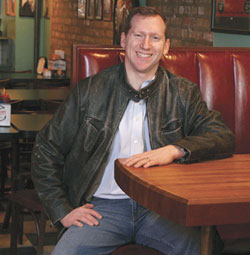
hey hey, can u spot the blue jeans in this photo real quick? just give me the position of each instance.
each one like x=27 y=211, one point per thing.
x=125 y=221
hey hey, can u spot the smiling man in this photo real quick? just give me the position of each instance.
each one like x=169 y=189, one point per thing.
x=136 y=110
x=145 y=45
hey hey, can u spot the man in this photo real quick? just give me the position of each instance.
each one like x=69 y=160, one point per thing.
x=138 y=111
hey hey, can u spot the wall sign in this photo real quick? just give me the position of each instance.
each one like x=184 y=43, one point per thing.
x=231 y=16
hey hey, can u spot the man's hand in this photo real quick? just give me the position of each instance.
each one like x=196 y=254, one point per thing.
x=80 y=215
x=162 y=156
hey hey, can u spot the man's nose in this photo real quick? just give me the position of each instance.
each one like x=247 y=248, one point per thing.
x=146 y=43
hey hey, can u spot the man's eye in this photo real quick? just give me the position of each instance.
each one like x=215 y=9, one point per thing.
x=138 y=35
x=156 y=38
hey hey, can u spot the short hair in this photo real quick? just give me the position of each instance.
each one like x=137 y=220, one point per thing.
x=145 y=11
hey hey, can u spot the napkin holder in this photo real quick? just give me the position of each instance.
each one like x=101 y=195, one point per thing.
x=5 y=113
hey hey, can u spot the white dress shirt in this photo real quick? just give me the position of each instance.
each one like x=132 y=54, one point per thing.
x=131 y=138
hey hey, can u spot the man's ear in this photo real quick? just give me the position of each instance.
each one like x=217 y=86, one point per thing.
x=166 y=47
x=123 y=40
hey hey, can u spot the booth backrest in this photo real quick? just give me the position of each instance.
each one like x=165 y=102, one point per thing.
x=223 y=75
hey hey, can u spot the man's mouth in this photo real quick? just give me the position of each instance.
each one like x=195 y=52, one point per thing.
x=143 y=55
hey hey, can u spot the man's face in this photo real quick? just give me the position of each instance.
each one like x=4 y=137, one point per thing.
x=145 y=44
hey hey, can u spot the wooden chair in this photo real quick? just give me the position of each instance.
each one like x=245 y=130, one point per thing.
x=23 y=199
x=27 y=200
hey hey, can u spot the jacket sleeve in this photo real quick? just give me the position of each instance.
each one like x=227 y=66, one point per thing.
x=206 y=135
x=52 y=144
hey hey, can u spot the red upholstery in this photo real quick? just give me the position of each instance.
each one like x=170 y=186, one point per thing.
x=182 y=63
x=92 y=61
x=242 y=100
x=221 y=73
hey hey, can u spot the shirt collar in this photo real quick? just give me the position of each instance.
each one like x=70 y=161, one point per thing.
x=146 y=83
x=147 y=87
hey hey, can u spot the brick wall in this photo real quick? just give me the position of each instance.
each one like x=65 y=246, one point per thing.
x=189 y=25
x=188 y=21
x=67 y=29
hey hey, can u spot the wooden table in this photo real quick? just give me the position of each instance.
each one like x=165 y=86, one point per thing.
x=202 y=194
x=29 y=125
x=59 y=93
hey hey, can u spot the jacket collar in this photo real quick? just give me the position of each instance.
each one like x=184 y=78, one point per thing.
x=137 y=95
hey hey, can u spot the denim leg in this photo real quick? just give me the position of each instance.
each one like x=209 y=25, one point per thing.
x=156 y=232
x=113 y=231
x=124 y=221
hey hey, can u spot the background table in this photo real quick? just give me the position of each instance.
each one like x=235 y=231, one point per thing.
x=201 y=194
x=28 y=125
x=59 y=93
x=37 y=99
x=8 y=133
x=33 y=80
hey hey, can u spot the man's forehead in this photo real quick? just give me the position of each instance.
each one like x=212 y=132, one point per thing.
x=138 y=23
x=137 y=18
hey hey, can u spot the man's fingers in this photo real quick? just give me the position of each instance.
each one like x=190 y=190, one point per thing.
x=84 y=214
x=142 y=162
x=78 y=223
x=89 y=209
x=88 y=205
x=136 y=159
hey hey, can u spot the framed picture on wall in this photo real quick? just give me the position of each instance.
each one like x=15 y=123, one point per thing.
x=27 y=8
x=107 y=9
x=90 y=9
x=230 y=16
x=98 y=9
x=10 y=7
x=81 y=9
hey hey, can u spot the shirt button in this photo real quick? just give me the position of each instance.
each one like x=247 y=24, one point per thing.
x=135 y=141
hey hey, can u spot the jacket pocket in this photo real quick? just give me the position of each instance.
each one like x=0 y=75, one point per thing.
x=172 y=131
x=93 y=129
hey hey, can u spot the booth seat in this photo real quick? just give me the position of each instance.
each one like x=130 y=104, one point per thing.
x=221 y=73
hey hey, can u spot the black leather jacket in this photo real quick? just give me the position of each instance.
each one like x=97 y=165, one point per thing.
x=71 y=151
